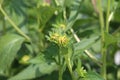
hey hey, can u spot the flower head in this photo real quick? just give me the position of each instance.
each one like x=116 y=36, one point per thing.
x=58 y=37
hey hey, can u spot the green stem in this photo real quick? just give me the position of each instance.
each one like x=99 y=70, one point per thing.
x=86 y=51
x=103 y=48
x=13 y=24
x=62 y=67
x=64 y=14
x=67 y=59
x=60 y=64
x=57 y=3
x=107 y=16
x=60 y=72
x=101 y=19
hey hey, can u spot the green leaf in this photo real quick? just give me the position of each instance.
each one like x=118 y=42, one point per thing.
x=68 y=3
x=45 y=13
x=9 y=45
x=86 y=8
x=74 y=13
x=35 y=70
x=40 y=65
x=47 y=56
x=110 y=39
x=116 y=16
x=38 y=59
x=84 y=44
x=92 y=76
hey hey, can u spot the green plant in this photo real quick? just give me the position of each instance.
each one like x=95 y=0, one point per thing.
x=59 y=39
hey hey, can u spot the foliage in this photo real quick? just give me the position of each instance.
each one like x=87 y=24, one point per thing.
x=59 y=39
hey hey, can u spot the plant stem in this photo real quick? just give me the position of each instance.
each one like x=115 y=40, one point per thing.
x=103 y=47
x=60 y=64
x=13 y=24
x=60 y=73
x=86 y=51
x=67 y=59
x=107 y=16
x=57 y=3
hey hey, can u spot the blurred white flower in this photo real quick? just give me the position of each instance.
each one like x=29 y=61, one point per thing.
x=117 y=58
